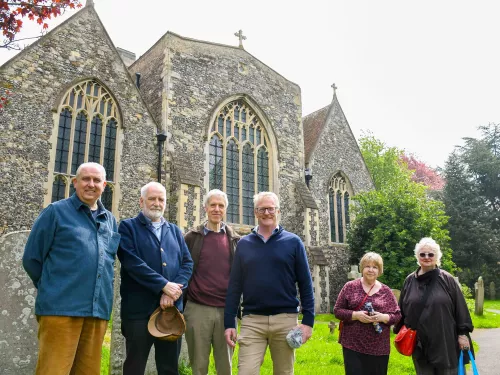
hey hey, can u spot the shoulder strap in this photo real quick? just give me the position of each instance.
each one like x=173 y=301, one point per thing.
x=366 y=296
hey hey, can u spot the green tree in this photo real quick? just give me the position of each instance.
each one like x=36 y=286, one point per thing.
x=472 y=199
x=391 y=219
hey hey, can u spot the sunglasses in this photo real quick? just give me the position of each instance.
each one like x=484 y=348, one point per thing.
x=428 y=255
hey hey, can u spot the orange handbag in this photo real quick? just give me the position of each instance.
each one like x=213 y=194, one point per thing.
x=405 y=340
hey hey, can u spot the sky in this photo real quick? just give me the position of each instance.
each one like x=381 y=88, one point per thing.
x=418 y=75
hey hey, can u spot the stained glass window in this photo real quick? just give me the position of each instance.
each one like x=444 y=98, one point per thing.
x=63 y=139
x=79 y=141
x=332 y=217
x=262 y=170
x=95 y=140
x=339 y=199
x=110 y=148
x=239 y=166
x=58 y=188
x=340 y=226
x=216 y=163
x=232 y=181
x=107 y=197
x=87 y=132
x=248 y=188
x=346 y=210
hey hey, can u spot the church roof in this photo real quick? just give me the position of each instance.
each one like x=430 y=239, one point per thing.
x=313 y=125
x=305 y=195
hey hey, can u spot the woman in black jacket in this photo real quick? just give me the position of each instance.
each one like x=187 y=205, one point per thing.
x=444 y=323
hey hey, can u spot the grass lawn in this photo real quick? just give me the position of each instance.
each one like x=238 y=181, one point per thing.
x=488 y=319
x=322 y=355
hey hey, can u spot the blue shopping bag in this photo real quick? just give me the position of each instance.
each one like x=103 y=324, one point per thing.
x=461 y=364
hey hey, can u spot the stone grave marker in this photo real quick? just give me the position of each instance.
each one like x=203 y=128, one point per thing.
x=479 y=293
x=18 y=326
x=353 y=273
x=492 y=291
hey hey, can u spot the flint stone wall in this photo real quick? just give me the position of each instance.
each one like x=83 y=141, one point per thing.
x=336 y=150
x=195 y=78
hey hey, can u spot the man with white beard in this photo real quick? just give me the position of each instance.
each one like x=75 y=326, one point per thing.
x=155 y=268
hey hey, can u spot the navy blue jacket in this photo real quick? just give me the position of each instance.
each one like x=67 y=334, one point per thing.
x=147 y=264
x=266 y=273
x=70 y=258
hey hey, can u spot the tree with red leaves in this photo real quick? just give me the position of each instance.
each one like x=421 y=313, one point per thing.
x=423 y=173
x=12 y=12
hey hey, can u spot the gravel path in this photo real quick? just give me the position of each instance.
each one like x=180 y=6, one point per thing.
x=487 y=359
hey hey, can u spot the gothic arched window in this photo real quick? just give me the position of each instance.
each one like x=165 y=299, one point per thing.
x=339 y=198
x=239 y=159
x=87 y=132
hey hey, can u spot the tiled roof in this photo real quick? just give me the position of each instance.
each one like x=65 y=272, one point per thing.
x=305 y=195
x=317 y=255
x=313 y=125
x=187 y=174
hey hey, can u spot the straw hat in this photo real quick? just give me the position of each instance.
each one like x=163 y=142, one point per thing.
x=168 y=324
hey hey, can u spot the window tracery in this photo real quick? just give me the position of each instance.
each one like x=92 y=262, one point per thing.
x=239 y=159
x=87 y=132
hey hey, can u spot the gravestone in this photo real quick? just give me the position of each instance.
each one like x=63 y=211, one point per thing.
x=397 y=294
x=353 y=273
x=479 y=293
x=18 y=326
x=492 y=291
x=332 y=325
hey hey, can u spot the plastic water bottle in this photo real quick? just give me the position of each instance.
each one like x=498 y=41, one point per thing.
x=369 y=308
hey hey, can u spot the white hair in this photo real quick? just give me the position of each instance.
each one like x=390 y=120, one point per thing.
x=428 y=242
x=91 y=164
x=264 y=194
x=145 y=188
x=215 y=192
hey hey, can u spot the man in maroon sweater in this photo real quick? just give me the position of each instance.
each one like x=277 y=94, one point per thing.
x=212 y=247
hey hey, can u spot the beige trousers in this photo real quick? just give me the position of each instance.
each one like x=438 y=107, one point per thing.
x=259 y=331
x=204 y=329
x=70 y=345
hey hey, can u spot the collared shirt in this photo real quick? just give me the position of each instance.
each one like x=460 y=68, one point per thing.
x=156 y=225
x=70 y=258
x=256 y=231
x=206 y=229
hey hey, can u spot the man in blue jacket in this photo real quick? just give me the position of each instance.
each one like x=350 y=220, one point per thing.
x=70 y=256
x=268 y=264
x=155 y=268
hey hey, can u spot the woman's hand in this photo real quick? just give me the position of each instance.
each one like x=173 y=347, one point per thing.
x=463 y=342
x=380 y=318
x=362 y=316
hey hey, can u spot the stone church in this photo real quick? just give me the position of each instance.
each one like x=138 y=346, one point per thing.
x=192 y=114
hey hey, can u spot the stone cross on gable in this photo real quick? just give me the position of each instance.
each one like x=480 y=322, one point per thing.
x=241 y=37
x=334 y=87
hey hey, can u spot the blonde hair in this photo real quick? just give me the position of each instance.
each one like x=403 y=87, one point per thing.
x=430 y=244
x=372 y=257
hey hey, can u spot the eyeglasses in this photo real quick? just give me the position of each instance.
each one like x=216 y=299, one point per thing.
x=429 y=255
x=262 y=210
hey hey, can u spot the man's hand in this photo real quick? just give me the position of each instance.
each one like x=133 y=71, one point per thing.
x=166 y=301
x=231 y=337
x=306 y=332
x=173 y=290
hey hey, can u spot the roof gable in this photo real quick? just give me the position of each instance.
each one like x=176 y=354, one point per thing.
x=313 y=125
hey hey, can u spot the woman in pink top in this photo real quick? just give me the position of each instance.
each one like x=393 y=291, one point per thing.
x=367 y=308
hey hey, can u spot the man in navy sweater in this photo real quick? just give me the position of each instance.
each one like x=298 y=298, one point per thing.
x=268 y=264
